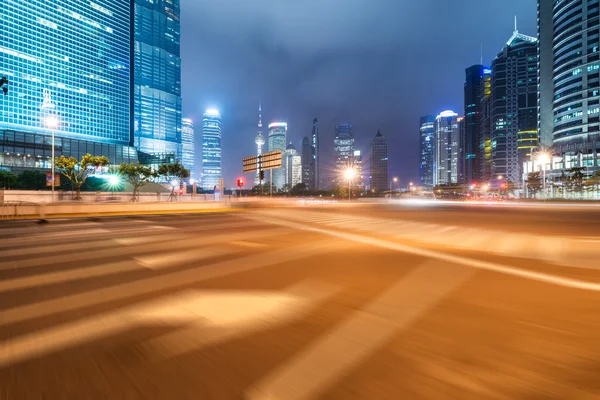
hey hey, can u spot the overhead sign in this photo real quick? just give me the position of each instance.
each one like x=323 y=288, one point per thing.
x=270 y=160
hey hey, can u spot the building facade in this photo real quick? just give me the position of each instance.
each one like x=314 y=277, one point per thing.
x=427 y=144
x=157 y=77
x=316 y=153
x=545 y=36
x=277 y=141
x=379 y=163
x=357 y=165
x=485 y=126
x=308 y=164
x=293 y=167
x=211 y=149
x=447 y=146
x=83 y=82
x=513 y=103
x=343 y=148
x=188 y=154
x=472 y=123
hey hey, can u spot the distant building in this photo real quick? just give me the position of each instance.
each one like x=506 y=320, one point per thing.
x=293 y=167
x=308 y=164
x=427 y=144
x=461 y=150
x=188 y=154
x=259 y=141
x=472 y=123
x=211 y=149
x=343 y=148
x=514 y=103
x=357 y=164
x=447 y=134
x=277 y=141
x=379 y=163
x=157 y=76
x=485 y=126
x=316 y=153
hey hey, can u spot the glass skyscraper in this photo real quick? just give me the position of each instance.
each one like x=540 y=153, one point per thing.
x=69 y=60
x=343 y=146
x=277 y=138
x=472 y=123
x=211 y=149
x=188 y=155
x=379 y=163
x=427 y=151
x=447 y=146
x=157 y=80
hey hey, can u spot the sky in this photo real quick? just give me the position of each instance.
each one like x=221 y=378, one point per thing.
x=378 y=64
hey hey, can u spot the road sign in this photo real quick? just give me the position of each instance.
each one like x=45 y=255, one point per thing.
x=270 y=160
x=49 y=179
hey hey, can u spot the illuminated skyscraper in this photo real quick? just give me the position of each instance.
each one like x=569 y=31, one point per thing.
x=70 y=60
x=260 y=142
x=277 y=138
x=379 y=163
x=427 y=151
x=211 y=149
x=293 y=166
x=308 y=164
x=157 y=77
x=472 y=124
x=343 y=147
x=447 y=146
x=188 y=155
x=485 y=127
x=316 y=153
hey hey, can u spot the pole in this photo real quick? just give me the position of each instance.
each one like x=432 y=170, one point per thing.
x=349 y=189
x=271 y=183
x=53 y=165
x=544 y=178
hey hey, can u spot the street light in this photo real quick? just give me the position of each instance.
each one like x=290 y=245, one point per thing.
x=51 y=122
x=349 y=175
x=395 y=180
x=544 y=158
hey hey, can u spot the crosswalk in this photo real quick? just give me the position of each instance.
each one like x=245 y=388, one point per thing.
x=553 y=249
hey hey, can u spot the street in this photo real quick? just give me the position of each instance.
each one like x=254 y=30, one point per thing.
x=396 y=300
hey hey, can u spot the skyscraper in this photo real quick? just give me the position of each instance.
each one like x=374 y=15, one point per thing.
x=308 y=164
x=316 y=153
x=357 y=164
x=472 y=123
x=157 y=77
x=514 y=103
x=69 y=61
x=379 y=163
x=211 y=149
x=427 y=151
x=485 y=127
x=188 y=154
x=277 y=141
x=568 y=33
x=343 y=147
x=260 y=142
x=293 y=167
x=447 y=148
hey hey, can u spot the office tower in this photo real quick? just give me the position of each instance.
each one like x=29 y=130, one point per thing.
x=485 y=127
x=277 y=137
x=569 y=41
x=68 y=62
x=157 y=78
x=447 y=135
x=316 y=153
x=308 y=164
x=188 y=154
x=379 y=163
x=293 y=167
x=357 y=164
x=427 y=151
x=514 y=103
x=545 y=38
x=211 y=149
x=472 y=123
x=260 y=142
x=461 y=150
x=343 y=147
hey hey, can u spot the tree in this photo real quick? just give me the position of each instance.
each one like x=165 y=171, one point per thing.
x=340 y=191
x=534 y=182
x=173 y=172
x=33 y=180
x=137 y=175
x=77 y=172
x=7 y=179
x=576 y=179
x=298 y=190
x=593 y=182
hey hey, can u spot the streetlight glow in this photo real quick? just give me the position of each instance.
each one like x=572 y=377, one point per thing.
x=114 y=180
x=51 y=121
x=349 y=174
x=174 y=182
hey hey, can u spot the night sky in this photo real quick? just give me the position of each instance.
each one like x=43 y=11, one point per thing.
x=379 y=64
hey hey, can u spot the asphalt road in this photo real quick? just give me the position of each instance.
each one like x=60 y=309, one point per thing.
x=389 y=301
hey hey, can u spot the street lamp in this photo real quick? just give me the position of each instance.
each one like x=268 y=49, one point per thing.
x=349 y=175
x=395 y=180
x=544 y=158
x=51 y=122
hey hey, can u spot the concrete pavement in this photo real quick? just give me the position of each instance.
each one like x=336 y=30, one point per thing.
x=364 y=302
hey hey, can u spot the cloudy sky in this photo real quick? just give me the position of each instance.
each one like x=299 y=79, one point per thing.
x=379 y=64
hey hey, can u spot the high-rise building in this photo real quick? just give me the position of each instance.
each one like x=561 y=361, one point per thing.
x=447 y=146
x=188 y=154
x=514 y=103
x=157 y=77
x=461 y=150
x=427 y=144
x=568 y=33
x=316 y=153
x=308 y=164
x=357 y=165
x=343 y=147
x=293 y=167
x=260 y=142
x=485 y=127
x=211 y=149
x=69 y=62
x=277 y=141
x=379 y=163
x=472 y=123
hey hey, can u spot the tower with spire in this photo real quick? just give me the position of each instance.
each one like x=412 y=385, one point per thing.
x=259 y=141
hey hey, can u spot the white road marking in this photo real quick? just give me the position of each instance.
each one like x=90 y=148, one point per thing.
x=483 y=265
x=244 y=243
x=147 y=239
x=309 y=373
x=166 y=260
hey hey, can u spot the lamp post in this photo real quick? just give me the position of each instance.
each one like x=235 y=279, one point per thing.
x=544 y=158
x=391 y=186
x=349 y=175
x=51 y=122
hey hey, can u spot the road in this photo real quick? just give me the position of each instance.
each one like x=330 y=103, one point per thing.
x=387 y=301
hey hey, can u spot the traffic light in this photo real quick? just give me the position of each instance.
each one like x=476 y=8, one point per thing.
x=261 y=175
x=240 y=182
